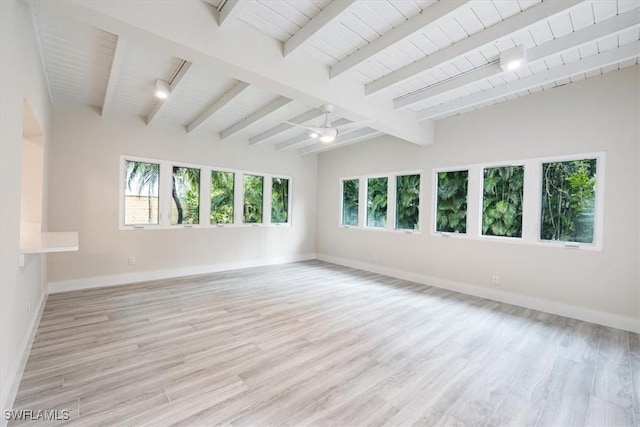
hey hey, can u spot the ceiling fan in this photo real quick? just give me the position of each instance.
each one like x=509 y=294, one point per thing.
x=327 y=133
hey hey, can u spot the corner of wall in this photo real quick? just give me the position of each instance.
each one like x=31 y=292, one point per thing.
x=25 y=349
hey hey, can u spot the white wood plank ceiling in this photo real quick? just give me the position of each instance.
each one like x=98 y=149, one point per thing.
x=411 y=60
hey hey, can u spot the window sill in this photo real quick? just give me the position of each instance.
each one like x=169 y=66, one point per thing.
x=198 y=226
x=520 y=241
x=388 y=230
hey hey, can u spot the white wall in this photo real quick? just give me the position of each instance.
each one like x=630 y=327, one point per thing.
x=21 y=78
x=84 y=194
x=592 y=115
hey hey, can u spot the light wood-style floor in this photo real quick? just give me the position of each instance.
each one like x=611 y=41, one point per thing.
x=317 y=344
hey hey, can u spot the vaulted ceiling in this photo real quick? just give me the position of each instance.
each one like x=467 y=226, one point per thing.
x=240 y=69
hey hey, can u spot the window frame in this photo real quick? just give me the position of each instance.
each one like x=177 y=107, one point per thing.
x=341 y=211
x=187 y=166
x=289 y=210
x=395 y=204
x=532 y=203
x=235 y=194
x=434 y=207
x=264 y=201
x=164 y=205
x=122 y=194
x=391 y=201
x=484 y=166
x=366 y=207
x=598 y=223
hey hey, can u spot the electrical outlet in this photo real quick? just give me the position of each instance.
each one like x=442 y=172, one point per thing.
x=495 y=280
x=375 y=257
x=132 y=260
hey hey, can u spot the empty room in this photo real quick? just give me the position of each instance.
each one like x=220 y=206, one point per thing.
x=320 y=213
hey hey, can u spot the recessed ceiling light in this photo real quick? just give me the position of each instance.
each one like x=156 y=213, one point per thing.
x=162 y=89
x=513 y=58
x=314 y=135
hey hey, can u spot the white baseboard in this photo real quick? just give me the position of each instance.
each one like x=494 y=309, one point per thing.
x=575 y=312
x=143 y=276
x=16 y=376
x=548 y=306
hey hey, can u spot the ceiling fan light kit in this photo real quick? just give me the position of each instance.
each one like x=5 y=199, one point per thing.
x=327 y=133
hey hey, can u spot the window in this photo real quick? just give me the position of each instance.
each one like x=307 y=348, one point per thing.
x=279 y=200
x=407 y=202
x=552 y=201
x=222 y=197
x=377 y=202
x=185 y=196
x=141 y=193
x=568 y=201
x=253 y=197
x=451 y=202
x=502 y=201
x=350 y=199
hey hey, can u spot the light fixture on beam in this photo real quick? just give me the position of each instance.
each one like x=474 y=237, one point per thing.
x=514 y=58
x=162 y=89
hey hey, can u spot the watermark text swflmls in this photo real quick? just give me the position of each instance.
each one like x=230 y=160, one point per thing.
x=37 y=415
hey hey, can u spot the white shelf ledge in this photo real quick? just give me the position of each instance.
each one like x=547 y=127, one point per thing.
x=45 y=242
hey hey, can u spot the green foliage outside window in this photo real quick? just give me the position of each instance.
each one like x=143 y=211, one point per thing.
x=568 y=201
x=377 y=202
x=186 y=195
x=407 y=202
x=222 y=195
x=279 y=200
x=142 y=177
x=502 y=201
x=451 y=208
x=253 y=195
x=350 y=198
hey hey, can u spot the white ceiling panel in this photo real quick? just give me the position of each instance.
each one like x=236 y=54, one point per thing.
x=507 y=8
x=603 y=9
x=248 y=102
x=141 y=68
x=582 y=16
x=199 y=88
x=285 y=113
x=627 y=5
x=486 y=13
x=76 y=57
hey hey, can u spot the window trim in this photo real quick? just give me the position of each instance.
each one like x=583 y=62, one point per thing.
x=235 y=204
x=264 y=201
x=122 y=194
x=420 y=202
x=521 y=163
x=200 y=199
x=164 y=209
x=434 y=207
x=532 y=204
x=289 y=210
x=366 y=204
x=598 y=223
x=391 y=201
x=341 y=212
